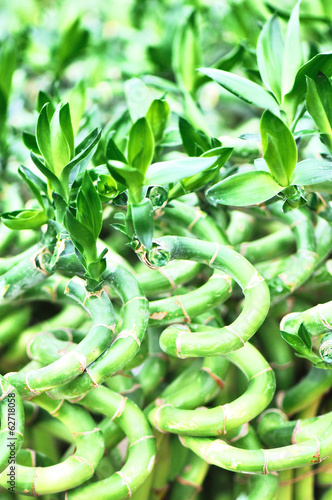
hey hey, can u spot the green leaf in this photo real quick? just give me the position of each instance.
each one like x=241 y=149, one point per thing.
x=293 y=56
x=244 y=89
x=36 y=185
x=247 y=188
x=24 y=219
x=81 y=236
x=142 y=215
x=48 y=174
x=66 y=127
x=305 y=336
x=319 y=63
x=279 y=147
x=8 y=55
x=60 y=207
x=157 y=116
x=30 y=142
x=187 y=53
x=172 y=171
x=83 y=153
x=195 y=142
x=319 y=105
x=89 y=210
x=294 y=341
x=60 y=148
x=314 y=175
x=270 y=50
x=113 y=152
x=140 y=145
x=107 y=187
x=126 y=175
x=42 y=99
x=43 y=137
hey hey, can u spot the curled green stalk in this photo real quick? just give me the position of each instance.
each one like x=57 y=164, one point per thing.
x=306 y=391
x=241 y=227
x=11 y=424
x=77 y=468
x=142 y=447
x=268 y=247
x=154 y=282
x=125 y=344
x=76 y=361
x=178 y=340
x=183 y=308
x=264 y=461
x=275 y=429
x=224 y=418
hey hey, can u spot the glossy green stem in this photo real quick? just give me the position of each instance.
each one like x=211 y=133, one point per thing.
x=178 y=340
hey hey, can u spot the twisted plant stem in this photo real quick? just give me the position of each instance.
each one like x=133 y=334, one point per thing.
x=178 y=340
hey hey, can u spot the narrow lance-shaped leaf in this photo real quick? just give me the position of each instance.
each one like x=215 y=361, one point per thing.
x=195 y=142
x=279 y=147
x=319 y=63
x=142 y=215
x=81 y=236
x=89 y=209
x=270 y=50
x=293 y=55
x=43 y=137
x=157 y=117
x=60 y=148
x=36 y=185
x=140 y=145
x=244 y=89
x=319 y=106
x=315 y=175
x=172 y=171
x=247 y=188
x=187 y=53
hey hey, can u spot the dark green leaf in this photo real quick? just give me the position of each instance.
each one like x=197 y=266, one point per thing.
x=247 y=188
x=113 y=152
x=142 y=215
x=195 y=142
x=295 y=341
x=67 y=127
x=30 y=142
x=319 y=63
x=43 y=137
x=305 y=336
x=279 y=147
x=319 y=105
